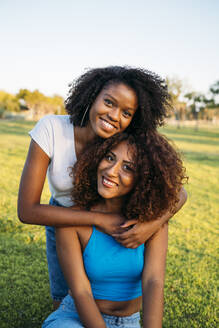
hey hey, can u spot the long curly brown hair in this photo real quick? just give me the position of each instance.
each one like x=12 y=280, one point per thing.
x=160 y=175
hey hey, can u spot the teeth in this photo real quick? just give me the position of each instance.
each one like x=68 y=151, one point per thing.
x=108 y=125
x=109 y=183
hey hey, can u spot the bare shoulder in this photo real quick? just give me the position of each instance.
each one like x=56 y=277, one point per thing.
x=83 y=232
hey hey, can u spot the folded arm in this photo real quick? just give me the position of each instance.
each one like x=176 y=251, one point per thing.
x=71 y=260
x=153 y=279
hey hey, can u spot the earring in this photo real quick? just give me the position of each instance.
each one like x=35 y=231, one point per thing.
x=85 y=112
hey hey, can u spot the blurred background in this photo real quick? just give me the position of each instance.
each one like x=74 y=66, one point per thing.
x=45 y=45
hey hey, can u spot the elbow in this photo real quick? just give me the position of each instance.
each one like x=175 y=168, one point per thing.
x=23 y=214
x=158 y=283
x=153 y=283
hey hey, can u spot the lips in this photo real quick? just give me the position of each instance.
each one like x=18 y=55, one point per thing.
x=106 y=125
x=108 y=183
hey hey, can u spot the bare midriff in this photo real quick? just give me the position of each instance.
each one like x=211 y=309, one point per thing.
x=119 y=308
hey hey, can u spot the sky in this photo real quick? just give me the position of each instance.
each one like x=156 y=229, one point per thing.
x=46 y=44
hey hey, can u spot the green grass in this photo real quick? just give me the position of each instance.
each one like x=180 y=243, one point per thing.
x=191 y=276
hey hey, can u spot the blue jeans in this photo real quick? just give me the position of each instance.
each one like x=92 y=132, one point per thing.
x=58 y=285
x=67 y=317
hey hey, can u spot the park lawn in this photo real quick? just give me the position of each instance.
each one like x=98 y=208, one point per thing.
x=191 y=276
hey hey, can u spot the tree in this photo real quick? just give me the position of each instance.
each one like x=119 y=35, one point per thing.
x=196 y=101
x=177 y=89
x=57 y=104
x=9 y=102
x=214 y=95
x=41 y=104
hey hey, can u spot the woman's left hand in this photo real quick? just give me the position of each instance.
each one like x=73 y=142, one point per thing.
x=137 y=234
x=140 y=232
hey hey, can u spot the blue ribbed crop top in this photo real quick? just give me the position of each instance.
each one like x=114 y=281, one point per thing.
x=113 y=270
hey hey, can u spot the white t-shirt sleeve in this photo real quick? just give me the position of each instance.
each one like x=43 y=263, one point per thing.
x=43 y=135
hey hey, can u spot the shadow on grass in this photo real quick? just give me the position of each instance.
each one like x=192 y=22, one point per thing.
x=197 y=141
x=20 y=128
x=202 y=158
x=190 y=132
x=25 y=301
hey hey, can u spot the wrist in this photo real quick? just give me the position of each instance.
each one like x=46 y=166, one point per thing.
x=98 y=219
x=93 y=218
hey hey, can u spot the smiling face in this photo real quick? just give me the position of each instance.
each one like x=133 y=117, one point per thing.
x=113 y=110
x=116 y=174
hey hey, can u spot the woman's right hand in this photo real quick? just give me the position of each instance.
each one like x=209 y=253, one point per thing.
x=110 y=223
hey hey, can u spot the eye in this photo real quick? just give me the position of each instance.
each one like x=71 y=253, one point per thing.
x=128 y=168
x=108 y=102
x=127 y=114
x=109 y=157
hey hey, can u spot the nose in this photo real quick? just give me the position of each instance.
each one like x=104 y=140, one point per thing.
x=113 y=170
x=113 y=114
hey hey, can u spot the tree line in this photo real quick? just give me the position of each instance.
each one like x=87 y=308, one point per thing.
x=34 y=101
x=191 y=105
x=187 y=104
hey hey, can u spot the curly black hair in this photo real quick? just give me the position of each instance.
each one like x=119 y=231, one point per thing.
x=151 y=90
x=159 y=175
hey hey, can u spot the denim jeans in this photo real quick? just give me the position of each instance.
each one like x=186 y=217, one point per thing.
x=58 y=285
x=67 y=317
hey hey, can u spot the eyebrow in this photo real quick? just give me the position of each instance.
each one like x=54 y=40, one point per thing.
x=128 y=162
x=114 y=99
x=131 y=163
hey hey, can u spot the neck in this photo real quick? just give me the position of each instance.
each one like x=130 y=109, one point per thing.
x=84 y=135
x=112 y=205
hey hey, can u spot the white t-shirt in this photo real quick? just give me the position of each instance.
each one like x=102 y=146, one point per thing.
x=55 y=135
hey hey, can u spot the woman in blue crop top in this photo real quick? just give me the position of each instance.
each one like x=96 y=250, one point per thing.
x=109 y=283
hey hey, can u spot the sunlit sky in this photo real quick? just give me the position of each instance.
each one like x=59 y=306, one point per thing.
x=45 y=44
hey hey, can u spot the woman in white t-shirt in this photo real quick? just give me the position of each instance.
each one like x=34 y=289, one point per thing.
x=102 y=102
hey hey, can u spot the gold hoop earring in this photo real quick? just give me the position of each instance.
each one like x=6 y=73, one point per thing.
x=85 y=112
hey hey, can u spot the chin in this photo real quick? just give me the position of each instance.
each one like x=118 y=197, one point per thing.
x=104 y=194
x=104 y=134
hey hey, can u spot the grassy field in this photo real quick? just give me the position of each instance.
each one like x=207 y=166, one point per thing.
x=191 y=277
